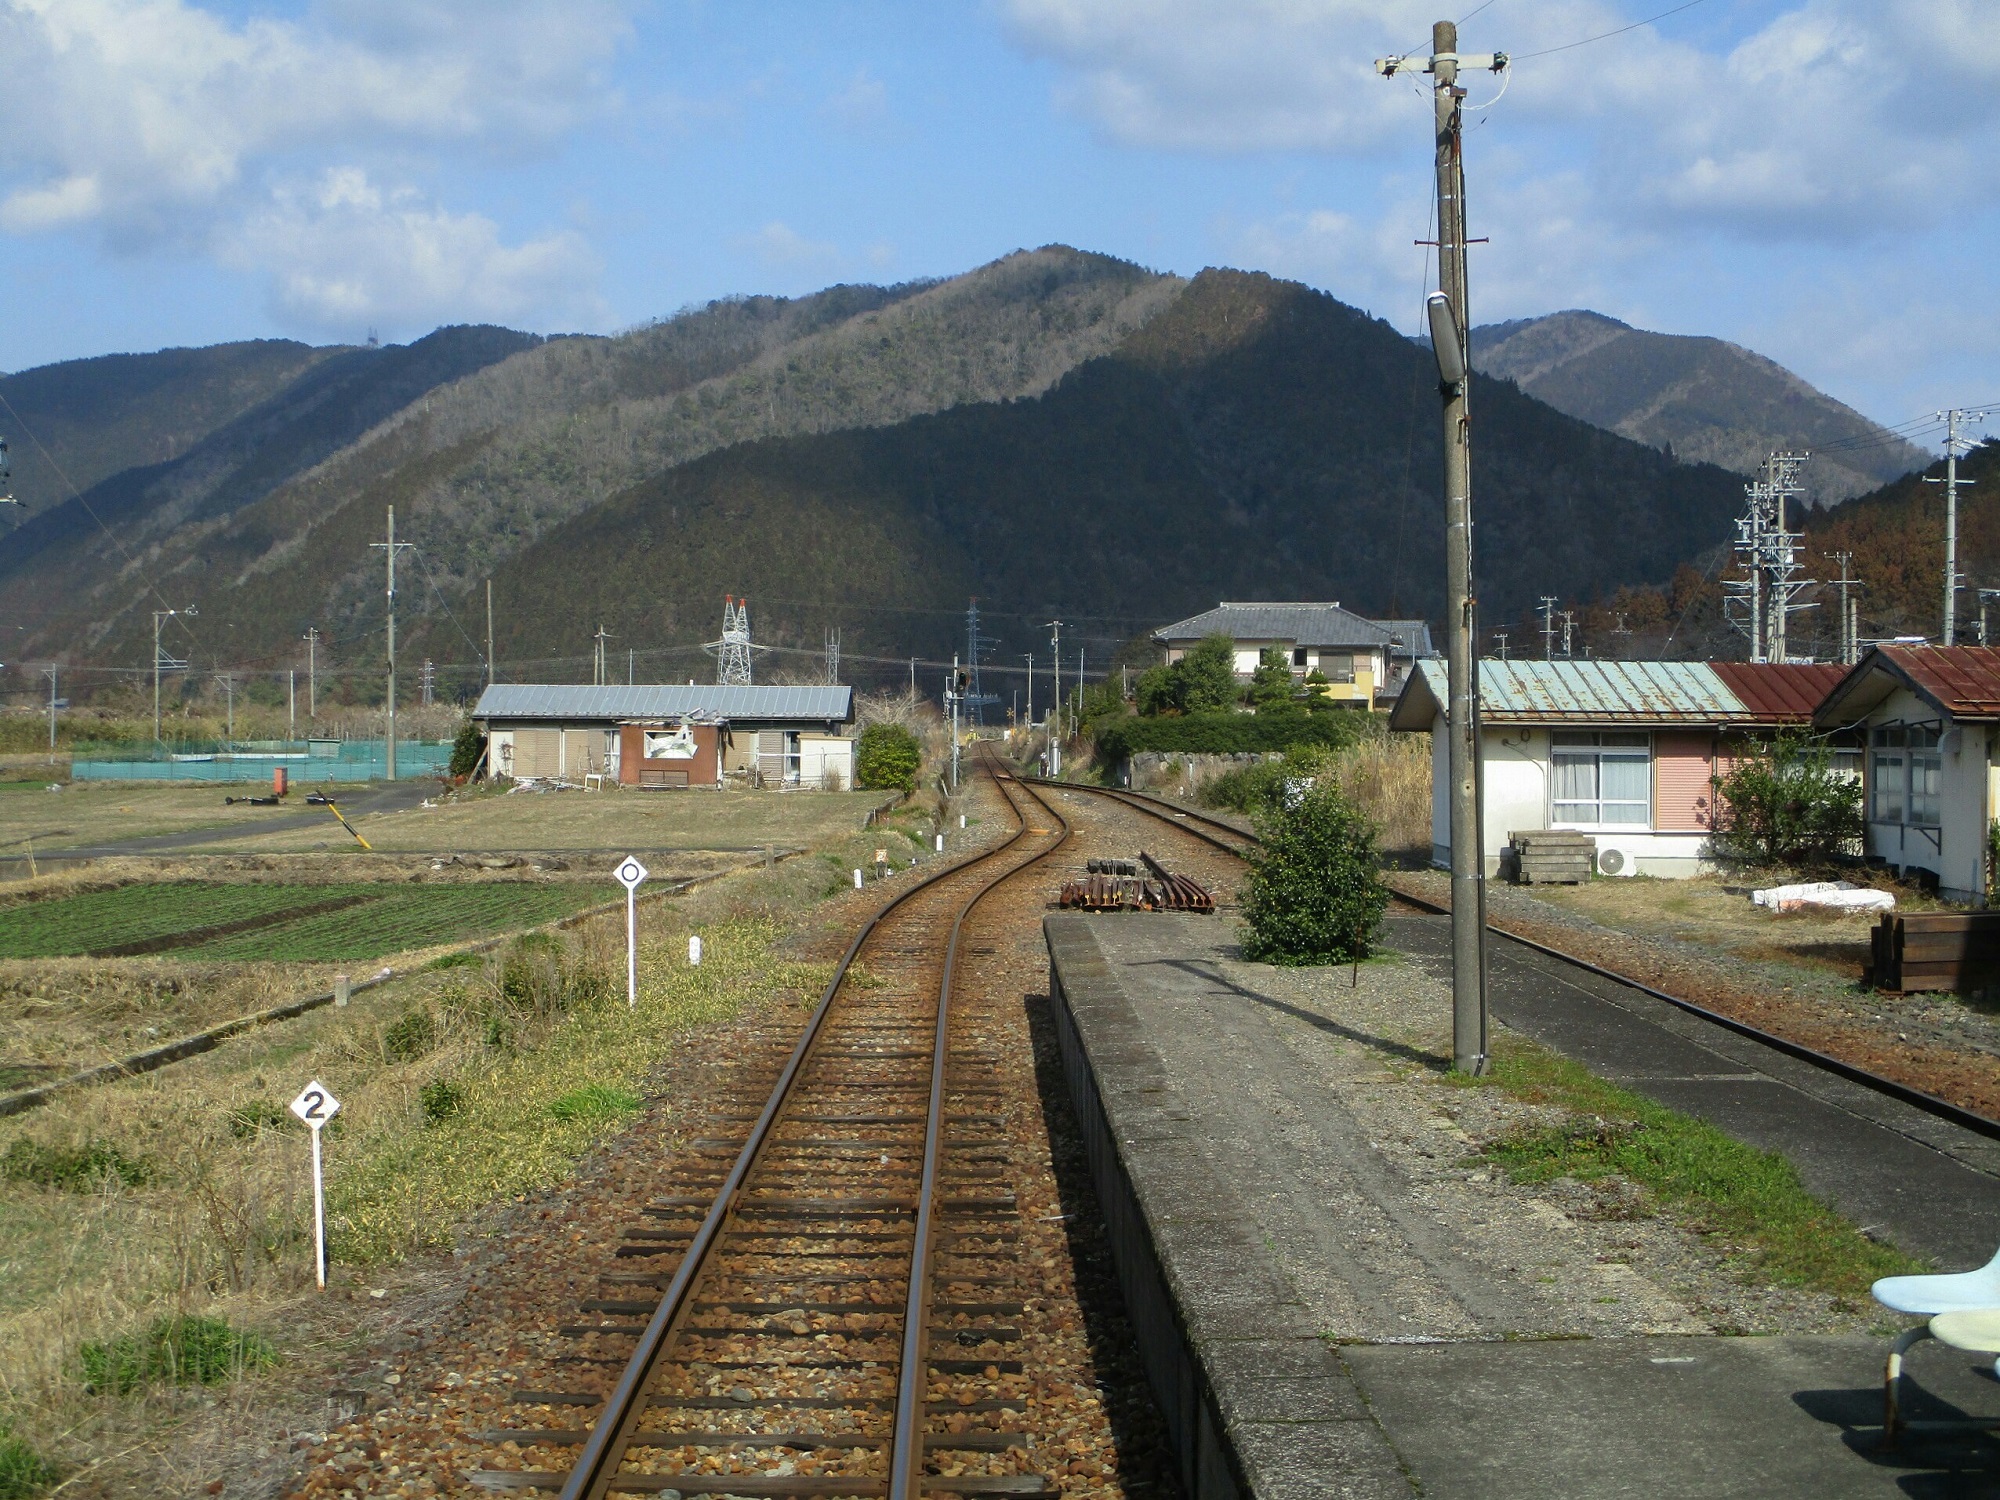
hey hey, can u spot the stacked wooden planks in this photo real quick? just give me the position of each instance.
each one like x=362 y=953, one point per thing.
x=1935 y=950
x=1552 y=856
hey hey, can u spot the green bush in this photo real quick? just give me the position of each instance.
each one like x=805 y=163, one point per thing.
x=597 y=1102
x=887 y=758
x=1783 y=803
x=1315 y=893
x=1260 y=787
x=24 y=1473
x=1201 y=682
x=412 y=1035
x=74 y=1169
x=467 y=750
x=442 y=1098
x=173 y=1350
x=1232 y=733
x=1271 y=684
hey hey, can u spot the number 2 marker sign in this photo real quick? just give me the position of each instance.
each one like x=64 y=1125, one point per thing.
x=315 y=1105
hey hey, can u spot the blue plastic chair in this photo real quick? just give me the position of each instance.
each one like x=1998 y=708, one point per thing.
x=1926 y=1297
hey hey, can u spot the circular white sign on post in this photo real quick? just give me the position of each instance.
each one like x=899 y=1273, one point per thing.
x=315 y=1105
x=630 y=872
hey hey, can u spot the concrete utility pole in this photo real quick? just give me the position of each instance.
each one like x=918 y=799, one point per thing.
x=292 y=703
x=1030 y=656
x=1848 y=634
x=601 y=660
x=489 y=632
x=1449 y=315
x=389 y=549
x=1985 y=597
x=312 y=672
x=1952 y=485
x=1500 y=643
x=1055 y=707
x=228 y=681
x=50 y=672
x=954 y=693
x=1569 y=628
x=159 y=661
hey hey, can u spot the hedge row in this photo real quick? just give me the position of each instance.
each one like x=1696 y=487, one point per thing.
x=1229 y=733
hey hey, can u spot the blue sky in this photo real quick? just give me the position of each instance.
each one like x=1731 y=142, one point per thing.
x=1803 y=176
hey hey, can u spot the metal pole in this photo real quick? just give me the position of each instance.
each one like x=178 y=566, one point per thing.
x=489 y=632
x=52 y=710
x=1950 y=526
x=319 y=1215
x=1468 y=859
x=156 y=677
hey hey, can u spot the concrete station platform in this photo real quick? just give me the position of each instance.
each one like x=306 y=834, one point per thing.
x=1333 y=1301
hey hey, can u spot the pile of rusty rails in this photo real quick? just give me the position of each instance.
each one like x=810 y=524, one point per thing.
x=1117 y=885
x=826 y=1300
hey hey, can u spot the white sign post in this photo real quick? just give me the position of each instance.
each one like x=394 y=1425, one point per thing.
x=630 y=874
x=316 y=1106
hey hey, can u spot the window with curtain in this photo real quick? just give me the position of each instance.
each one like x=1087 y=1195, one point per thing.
x=1905 y=770
x=1603 y=778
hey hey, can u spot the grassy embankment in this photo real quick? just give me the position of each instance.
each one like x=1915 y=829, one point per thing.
x=162 y=1201
x=1720 y=1187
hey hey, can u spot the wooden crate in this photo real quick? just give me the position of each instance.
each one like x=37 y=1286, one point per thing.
x=1552 y=857
x=1935 y=950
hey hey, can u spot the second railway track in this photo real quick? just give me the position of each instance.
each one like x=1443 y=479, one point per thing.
x=829 y=1303
x=1232 y=840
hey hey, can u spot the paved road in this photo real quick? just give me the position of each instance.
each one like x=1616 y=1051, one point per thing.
x=365 y=800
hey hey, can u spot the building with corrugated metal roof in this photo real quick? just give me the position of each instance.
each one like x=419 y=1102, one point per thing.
x=669 y=734
x=1931 y=718
x=1363 y=660
x=1626 y=751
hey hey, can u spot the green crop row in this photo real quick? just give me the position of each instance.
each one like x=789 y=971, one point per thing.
x=411 y=917
x=96 y=920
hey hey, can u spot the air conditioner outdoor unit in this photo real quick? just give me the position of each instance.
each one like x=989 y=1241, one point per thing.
x=1611 y=860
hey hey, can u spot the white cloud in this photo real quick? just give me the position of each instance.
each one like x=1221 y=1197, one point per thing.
x=778 y=244
x=158 y=123
x=862 y=105
x=1832 y=119
x=346 y=254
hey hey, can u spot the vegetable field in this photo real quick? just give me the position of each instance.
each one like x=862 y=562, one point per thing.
x=278 y=923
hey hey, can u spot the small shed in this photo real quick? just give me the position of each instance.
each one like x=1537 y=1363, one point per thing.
x=1624 y=751
x=670 y=735
x=1930 y=716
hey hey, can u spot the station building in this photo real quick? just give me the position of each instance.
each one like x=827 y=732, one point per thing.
x=669 y=735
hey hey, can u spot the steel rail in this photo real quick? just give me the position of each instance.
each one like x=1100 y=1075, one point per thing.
x=906 y=1449
x=597 y=1466
x=1929 y=1103
x=1159 y=808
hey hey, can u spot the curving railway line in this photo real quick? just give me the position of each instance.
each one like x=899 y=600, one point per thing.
x=828 y=1303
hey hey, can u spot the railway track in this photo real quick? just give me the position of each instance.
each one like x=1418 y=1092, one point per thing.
x=828 y=1303
x=1232 y=840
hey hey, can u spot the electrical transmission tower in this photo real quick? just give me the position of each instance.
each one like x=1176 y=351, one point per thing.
x=833 y=656
x=976 y=698
x=427 y=683
x=1762 y=602
x=732 y=652
x=1548 y=627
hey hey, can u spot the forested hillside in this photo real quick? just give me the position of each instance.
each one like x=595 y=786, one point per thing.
x=1254 y=440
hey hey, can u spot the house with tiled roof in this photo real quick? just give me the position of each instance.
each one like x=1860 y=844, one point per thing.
x=1363 y=660
x=1623 y=751
x=1930 y=716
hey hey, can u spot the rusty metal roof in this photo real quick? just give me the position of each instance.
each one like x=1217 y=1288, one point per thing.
x=582 y=703
x=1612 y=692
x=1962 y=681
x=1780 y=693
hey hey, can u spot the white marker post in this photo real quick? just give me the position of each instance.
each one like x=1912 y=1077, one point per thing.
x=694 y=950
x=316 y=1106
x=630 y=874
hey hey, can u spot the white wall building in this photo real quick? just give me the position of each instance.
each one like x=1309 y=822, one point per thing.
x=1623 y=751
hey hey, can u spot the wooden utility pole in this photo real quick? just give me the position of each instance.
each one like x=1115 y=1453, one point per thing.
x=1450 y=323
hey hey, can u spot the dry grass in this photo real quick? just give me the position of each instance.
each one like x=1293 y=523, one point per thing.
x=1389 y=776
x=617 y=819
